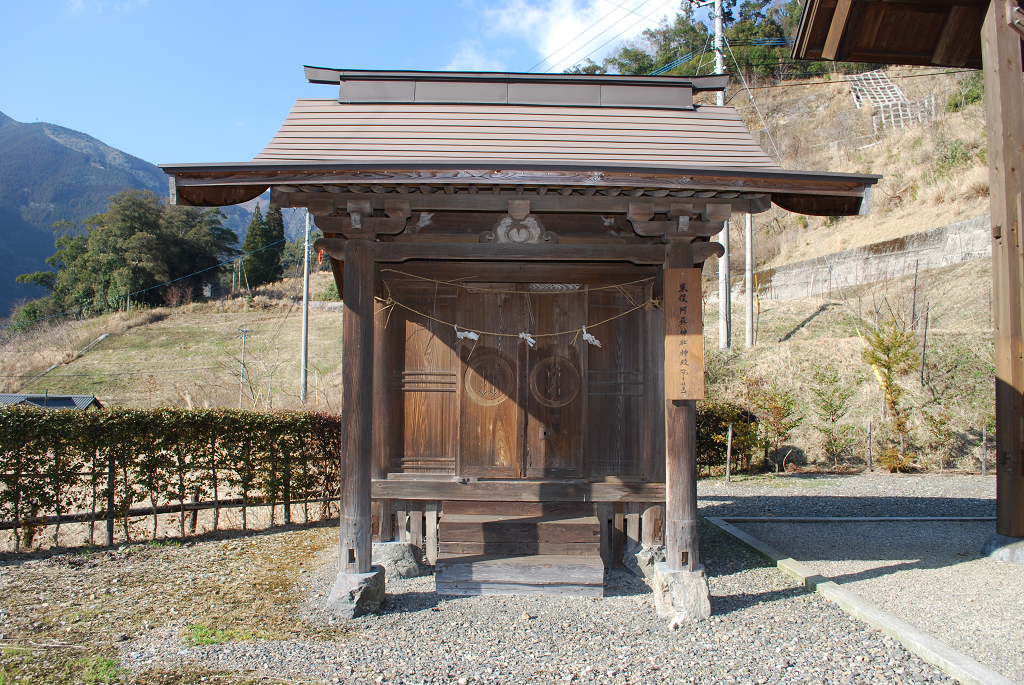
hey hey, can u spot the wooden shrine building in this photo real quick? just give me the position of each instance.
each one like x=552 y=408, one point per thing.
x=519 y=256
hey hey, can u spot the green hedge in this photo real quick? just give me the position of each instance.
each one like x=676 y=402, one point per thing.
x=59 y=462
x=713 y=419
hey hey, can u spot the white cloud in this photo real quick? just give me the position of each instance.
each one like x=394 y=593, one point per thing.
x=470 y=58
x=564 y=32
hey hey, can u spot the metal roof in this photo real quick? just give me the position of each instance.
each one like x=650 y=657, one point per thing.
x=326 y=131
x=472 y=128
x=50 y=401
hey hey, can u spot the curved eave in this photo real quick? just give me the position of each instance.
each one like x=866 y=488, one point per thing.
x=806 y=192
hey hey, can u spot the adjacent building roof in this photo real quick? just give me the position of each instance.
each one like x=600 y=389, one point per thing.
x=51 y=401
x=401 y=130
x=912 y=32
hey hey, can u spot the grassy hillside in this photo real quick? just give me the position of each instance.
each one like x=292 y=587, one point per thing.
x=186 y=356
x=934 y=173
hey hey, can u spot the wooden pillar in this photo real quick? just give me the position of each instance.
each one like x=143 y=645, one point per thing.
x=684 y=382
x=1004 y=109
x=357 y=409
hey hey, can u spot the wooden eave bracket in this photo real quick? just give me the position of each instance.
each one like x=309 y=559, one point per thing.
x=335 y=247
x=679 y=226
x=360 y=222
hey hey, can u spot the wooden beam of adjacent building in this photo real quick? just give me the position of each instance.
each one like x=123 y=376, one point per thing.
x=959 y=35
x=835 y=30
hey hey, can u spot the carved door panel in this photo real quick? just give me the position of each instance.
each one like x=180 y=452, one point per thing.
x=424 y=381
x=490 y=425
x=554 y=423
x=615 y=387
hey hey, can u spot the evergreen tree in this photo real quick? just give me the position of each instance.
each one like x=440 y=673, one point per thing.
x=275 y=233
x=264 y=244
x=138 y=246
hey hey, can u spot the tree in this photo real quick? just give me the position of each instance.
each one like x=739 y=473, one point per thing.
x=777 y=415
x=138 y=247
x=264 y=244
x=832 y=404
x=892 y=353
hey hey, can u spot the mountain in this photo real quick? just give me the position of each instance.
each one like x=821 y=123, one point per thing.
x=49 y=173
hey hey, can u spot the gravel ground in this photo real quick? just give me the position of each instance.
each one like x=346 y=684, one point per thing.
x=867 y=494
x=246 y=610
x=933 y=578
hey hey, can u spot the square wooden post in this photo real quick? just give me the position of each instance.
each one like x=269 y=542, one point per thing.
x=684 y=381
x=681 y=591
x=1004 y=109
x=359 y=588
x=357 y=408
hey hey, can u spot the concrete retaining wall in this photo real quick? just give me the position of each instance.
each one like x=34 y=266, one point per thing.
x=942 y=246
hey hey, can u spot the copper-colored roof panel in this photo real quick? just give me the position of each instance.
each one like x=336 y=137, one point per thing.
x=326 y=131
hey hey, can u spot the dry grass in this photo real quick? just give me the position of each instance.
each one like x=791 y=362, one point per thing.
x=187 y=356
x=818 y=332
x=933 y=174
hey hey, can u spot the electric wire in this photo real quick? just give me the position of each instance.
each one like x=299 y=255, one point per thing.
x=566 y=44
x=628 y=28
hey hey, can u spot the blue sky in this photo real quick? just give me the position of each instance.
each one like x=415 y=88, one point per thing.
x=189 y=81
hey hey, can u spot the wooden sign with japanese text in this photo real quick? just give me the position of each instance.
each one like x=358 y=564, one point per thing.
x=684 y=335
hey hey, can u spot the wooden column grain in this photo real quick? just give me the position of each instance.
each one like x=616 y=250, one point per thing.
x=1004 y=109
x=681 y=544
x=357 y=409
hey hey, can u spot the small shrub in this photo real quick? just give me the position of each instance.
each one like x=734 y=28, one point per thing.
x=202 y=634
x=330 y=293
x=891 y=458
x=971 y=90
x=100 y=669
x=713 y=419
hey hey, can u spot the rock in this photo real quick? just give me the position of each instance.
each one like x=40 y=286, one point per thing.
x=524 y=617
x=1004 y=548
x=681 y=596
x=399 y=559
x=642 y=559
x=357 y=594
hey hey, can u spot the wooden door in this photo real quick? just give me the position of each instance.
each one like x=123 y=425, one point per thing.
x=615 y=387
x=555 y=404
x=424 y=380
x=491 y=419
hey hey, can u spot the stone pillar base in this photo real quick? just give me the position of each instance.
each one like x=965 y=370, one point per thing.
x=681 y=596
x=357 y=594
x=1004 y=548
x=399 y=560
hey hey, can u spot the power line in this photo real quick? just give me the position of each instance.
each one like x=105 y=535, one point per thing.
x=566 y=44
x=754 y=102
x=618 y=34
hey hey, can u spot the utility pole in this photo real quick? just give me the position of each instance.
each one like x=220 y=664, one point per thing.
x=719 y=49
x=241 y=376
x=724 y=282
x=724 y=294
x=748 y=284
x=305 y=309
